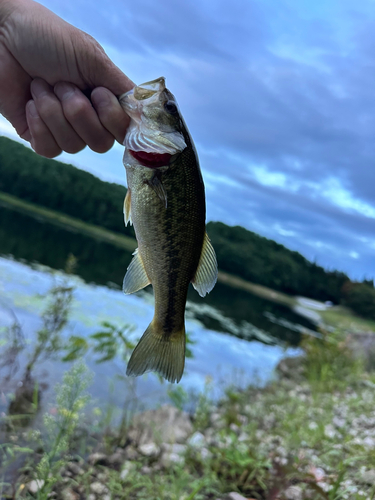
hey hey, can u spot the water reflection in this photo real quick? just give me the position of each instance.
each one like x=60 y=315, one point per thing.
x=33 y=239
x=225 y=309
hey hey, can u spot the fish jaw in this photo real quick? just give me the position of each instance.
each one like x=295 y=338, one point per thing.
x=149 y=130
x=131 y=101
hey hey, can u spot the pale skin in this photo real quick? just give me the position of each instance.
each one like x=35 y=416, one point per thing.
x=58 y=88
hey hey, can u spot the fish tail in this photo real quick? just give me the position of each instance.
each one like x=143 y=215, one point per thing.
x=158 y=353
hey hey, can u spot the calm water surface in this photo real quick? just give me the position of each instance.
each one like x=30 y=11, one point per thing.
x=236 y=338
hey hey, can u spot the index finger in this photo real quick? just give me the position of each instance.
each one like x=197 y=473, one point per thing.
x=110 y=112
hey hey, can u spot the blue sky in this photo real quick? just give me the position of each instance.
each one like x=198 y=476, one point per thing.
x=280 y=100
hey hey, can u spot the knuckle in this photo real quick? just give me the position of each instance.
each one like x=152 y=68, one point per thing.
x=47 y=107
x=75 y=109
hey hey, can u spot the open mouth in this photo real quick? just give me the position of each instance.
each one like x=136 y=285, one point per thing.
x=148 y=89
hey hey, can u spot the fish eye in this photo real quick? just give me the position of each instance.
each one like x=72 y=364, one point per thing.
x=170 y=107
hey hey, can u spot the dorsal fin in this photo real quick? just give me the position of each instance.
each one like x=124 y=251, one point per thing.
x=206 y=273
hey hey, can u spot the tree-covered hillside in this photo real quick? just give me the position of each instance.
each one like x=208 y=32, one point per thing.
x=61 y=187
x=241 y=252
x=268 y=263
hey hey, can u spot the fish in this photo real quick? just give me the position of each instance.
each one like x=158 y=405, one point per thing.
x=165 y=202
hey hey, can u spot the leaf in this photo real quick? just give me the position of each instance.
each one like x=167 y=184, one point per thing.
x=100 y=335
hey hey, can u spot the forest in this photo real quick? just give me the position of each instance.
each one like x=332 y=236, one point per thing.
x=77 y=193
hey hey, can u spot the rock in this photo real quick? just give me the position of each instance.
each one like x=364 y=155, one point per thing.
x=175 y=448
x=216 y=419
x=130 y=453
x=291 y=368
x=329 y=431
x=205 y=453
x=243 y=437
x=69 y=494
x=163 y=425
x=98 y=458
x=293 y=493
x=234 y=428
x=235 y=496
x=368 y=477
x=75 y=468
x=35 y=485
x=169 y=459
x=98 y=488
x=197 y=440
x=362 y=346
x=146 y=470
x=369 y=442
x=116 y=458
x=149 y=449
x=127 y=469
x=172 y=454
x=102 y=477
x=91 y=497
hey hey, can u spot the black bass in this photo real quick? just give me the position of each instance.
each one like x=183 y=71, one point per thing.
x=166 y=203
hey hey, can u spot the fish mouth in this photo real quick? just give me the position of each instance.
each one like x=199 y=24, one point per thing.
x=148 y=89
x=142 y=92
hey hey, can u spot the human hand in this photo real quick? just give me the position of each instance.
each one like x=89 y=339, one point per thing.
x=47 y=68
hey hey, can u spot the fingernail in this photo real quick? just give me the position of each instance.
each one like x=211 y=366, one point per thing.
x=64 y=90
x=31 y=108
x=100 y=98
x=38 y=88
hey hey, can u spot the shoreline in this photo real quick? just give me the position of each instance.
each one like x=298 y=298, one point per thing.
x=326 y=317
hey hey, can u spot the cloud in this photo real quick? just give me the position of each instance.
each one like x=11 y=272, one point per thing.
x=279 y=99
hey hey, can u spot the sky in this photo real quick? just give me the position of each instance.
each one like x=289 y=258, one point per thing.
x=279 y=97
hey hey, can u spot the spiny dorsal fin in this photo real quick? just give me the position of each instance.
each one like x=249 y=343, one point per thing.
x=206 y=273
x=135 y=277
x=127 y=210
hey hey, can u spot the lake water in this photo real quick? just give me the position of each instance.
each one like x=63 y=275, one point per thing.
x=238 y=338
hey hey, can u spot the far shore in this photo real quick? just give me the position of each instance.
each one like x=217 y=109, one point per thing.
x=331 y=317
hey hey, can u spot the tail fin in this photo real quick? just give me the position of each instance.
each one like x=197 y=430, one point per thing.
x=156 y=353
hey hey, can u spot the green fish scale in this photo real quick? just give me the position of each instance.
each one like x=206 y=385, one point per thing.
x=170 y=239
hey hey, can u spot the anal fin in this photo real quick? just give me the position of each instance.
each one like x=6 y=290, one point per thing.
x=136 y=277
x=206 y=273
x=127 y=209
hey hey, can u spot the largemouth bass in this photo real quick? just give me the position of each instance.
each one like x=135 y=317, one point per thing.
x=165 y=202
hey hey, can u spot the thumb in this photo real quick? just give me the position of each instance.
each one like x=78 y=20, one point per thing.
x=113 y=79
x=97 y=68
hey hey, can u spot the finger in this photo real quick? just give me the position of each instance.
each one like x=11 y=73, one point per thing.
x=51 y=112
x=42 y=141
x=110 y=112
x=83 y=118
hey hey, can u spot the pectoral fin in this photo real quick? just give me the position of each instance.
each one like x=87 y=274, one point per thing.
x=206 y=274
x=136 y=277
x=158 y=187
x=127 y=210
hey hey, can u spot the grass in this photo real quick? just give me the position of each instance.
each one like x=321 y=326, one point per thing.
x=311 y=435
x=344 y=319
